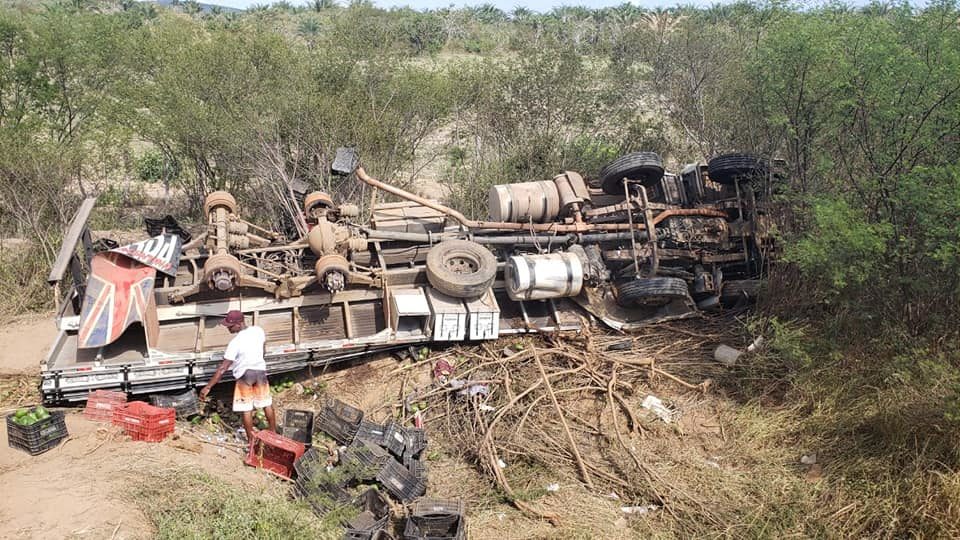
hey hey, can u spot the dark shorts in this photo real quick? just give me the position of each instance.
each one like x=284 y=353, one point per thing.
x=252 y=391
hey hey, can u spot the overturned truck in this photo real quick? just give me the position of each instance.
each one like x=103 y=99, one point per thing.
x=641 y=245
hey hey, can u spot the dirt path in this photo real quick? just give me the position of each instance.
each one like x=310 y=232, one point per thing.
x=24 y=343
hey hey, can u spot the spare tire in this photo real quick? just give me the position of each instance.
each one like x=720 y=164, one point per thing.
x=461 y=268
x=655 y=291
x=643 y=167
x=728 y=168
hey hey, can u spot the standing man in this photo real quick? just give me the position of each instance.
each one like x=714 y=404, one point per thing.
x=245 y=355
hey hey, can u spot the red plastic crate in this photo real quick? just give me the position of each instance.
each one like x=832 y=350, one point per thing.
x=145 y=422
x=102 y=403
x=274 y=453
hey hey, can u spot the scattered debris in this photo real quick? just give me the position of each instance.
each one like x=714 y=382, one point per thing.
x=809 y=459
x=655 y=405
x=726 y=355
x=640 y=510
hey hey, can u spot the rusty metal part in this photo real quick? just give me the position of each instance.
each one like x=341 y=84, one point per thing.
x=222 y=272
x=357 y=243
x=238 y=227
x=573 y=193
x=217 y=199
x=349 y=210
x=322 y=238
x=238 y=241
x=316 y=198
x=537 y=227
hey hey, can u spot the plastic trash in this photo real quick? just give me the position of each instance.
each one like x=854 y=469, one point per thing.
x=553 y=487
x=639 y=509
x=809 y=460
x=655 y=405
x=501 y=463
x=726 y=355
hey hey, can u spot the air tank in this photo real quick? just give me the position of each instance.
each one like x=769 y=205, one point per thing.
x=536 y=277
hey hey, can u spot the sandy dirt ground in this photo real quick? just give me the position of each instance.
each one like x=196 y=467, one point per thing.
x=81 y=489
x=24 y=343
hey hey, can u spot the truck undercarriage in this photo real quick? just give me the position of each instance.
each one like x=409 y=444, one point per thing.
x=642 y=247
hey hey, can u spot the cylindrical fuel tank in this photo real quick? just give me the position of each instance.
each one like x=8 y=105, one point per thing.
x=519 y=203
x=534 y=277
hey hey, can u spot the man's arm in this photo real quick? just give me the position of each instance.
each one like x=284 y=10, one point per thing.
x=224 y=366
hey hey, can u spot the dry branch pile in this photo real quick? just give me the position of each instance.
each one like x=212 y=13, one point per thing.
x=573 y=405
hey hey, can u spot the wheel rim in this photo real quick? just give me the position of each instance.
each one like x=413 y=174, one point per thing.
x=461 y=264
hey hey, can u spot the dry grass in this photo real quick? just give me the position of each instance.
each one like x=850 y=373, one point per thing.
x=189 y=504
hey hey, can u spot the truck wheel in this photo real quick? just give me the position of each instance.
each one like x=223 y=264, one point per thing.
x=643 y=167
x=461 y=268
x=220 y=198
x=655 y=291
x=315 y=198
x=728 y=168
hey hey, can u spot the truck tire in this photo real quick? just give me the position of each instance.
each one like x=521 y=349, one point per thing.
x=655 y=291
x=461 y=268
x=643 y=167
x=728 y=168
x=219 y=198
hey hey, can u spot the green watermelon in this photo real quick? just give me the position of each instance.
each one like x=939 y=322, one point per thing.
x=20 y=413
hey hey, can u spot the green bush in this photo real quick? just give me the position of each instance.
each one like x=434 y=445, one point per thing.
x=154 y=166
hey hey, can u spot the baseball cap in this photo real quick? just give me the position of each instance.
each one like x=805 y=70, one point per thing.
x=233 y=317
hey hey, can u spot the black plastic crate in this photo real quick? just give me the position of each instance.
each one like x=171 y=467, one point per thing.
x=374 y=506
x=395 y=438
x=416 y=441
x=311 y=461
x=416 y=466
x=433 y=507
x=436 y=519
x=420 y=531
x=186 y=404
x=364 y=459
x=38 y=437
x=400 y=482
x=339 y=420
x=298 y=425
x=323 y=498
x=373 y=432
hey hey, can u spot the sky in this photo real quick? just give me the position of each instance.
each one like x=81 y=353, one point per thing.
x=505 y=5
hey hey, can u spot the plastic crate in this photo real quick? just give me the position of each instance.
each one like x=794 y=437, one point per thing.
x=416 y=441
x=364 y=459
x=436 y=519
x=143 y=422
x=372 y=432
x=311 y=461
x=298 y=425
x=339 y=420
x=395 y=438
x=416 y=466
x=274 y=453
x=38 y=437
x=102 y=403
x=322 y=498
x=185 y=404
x=400 y=482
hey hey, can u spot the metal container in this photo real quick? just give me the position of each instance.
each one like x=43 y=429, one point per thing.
x=535 y=277
x=519 y=203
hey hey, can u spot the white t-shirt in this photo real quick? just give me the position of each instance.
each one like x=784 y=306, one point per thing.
x=246 y=351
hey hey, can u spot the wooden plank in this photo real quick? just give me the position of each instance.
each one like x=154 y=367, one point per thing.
x=69 y=245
